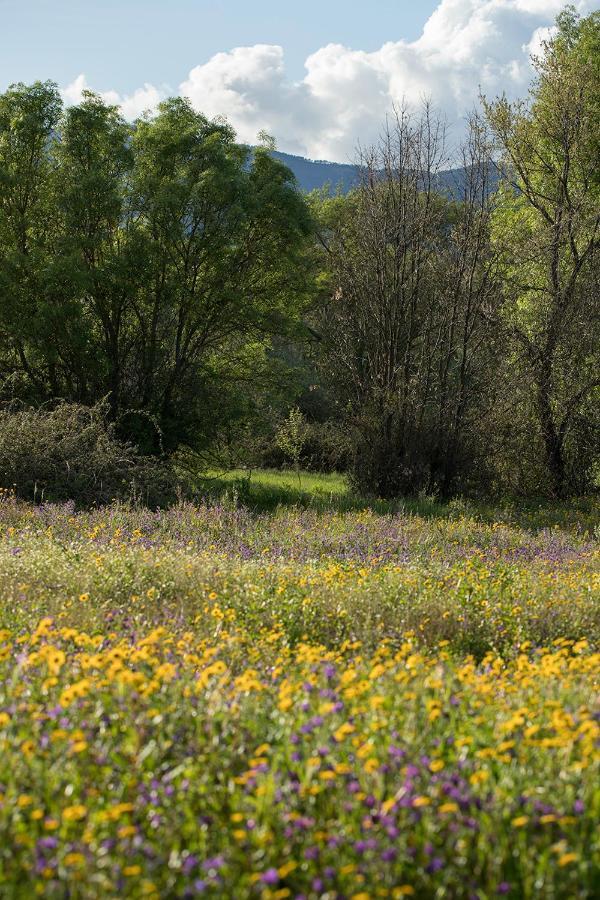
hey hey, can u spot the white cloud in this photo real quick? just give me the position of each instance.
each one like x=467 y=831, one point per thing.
x=535 y=46
x=467 y=46
x=132 y=105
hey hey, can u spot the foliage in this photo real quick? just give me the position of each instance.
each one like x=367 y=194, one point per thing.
x=546 y=228
x=72 y=452
x=150 y=263
x=291 y=437
x=406 y=348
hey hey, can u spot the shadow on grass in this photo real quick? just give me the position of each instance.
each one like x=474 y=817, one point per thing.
x=265 y=490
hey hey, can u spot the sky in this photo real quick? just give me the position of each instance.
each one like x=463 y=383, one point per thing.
x=318 y=76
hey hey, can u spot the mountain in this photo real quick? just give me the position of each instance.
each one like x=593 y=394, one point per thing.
x=317 y=173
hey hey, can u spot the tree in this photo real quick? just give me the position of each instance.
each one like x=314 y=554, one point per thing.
x=547 y=229
x=225 y=231
x=405 y=340
x=151 y=264
x=291 y=438
x=28 y=120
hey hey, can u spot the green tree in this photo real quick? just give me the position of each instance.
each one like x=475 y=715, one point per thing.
x=151 y=264
x=547 y=229
x=29 y=117
x=224 y=230
x=291 y=438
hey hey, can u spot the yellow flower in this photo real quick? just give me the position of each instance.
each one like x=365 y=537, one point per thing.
x=567 y=858
x=74 y=813
x=448 y=807
x=520 y=821
x=27 y=748
x=288 y=867
x=132 y=870
x=479 y=777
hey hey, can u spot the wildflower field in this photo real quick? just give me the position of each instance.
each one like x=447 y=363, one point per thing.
x=318 y=702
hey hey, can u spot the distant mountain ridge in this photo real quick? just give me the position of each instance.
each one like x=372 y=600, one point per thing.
x=314 y=174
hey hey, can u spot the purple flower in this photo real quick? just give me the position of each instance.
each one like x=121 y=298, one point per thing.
x=503 y=887
x=216 y=862
x=189 y=864
x=271 y=876
x=435 y=865
x=47 y=843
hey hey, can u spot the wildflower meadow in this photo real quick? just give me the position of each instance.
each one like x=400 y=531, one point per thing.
x=315 y=702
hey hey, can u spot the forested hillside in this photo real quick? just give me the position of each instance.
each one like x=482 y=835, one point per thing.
x=315 y=175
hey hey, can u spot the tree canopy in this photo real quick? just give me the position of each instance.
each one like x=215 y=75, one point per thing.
x=149 y=263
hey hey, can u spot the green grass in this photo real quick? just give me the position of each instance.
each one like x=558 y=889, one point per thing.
x=267 y=489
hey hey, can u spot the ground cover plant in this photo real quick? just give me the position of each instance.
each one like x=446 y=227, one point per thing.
x=219 y=701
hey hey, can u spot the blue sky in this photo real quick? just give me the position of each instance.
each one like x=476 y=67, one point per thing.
x=318 y=75
x=121 y=45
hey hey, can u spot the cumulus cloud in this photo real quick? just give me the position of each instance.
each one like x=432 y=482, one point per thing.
x=132 y=105
x=466 y=46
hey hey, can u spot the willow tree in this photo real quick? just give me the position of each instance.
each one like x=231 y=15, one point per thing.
x=151 y=263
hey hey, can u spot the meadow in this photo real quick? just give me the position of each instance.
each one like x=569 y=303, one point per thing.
x=287 y=691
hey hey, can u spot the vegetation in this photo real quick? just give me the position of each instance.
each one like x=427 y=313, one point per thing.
x=208 y=701
x=70 y=451
x=149 y=265
x=376 y=678
x=423 y=342
x=547 y=231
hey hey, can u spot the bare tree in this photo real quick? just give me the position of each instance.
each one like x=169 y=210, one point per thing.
x=411 y=272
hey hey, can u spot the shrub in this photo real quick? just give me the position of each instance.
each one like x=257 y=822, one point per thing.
x=71 y=452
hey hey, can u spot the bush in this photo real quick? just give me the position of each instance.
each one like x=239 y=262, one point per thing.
x=71 y=452
x=326 y=447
